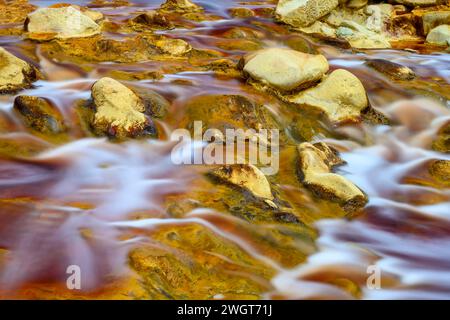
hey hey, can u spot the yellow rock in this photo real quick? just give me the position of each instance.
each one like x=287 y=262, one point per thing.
x=440 y=35
x=61 y=23
x=15 y=74
x=119 y=111
x=341 y=96
x=285 y=69
x=316 y=162
x=180 y=6
x=246 y=176
x=301 y=13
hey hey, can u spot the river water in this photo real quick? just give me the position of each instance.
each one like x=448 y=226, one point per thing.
x=77 y=201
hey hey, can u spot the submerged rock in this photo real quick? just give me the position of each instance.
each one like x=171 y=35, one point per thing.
x=61 y=23
x=15 y=74
x=442 y=141
x=223 y=112
x=440 y=170
x=119 y=111
x=39 y=114
x=245 y=176
x=241 y=12
x=341 y=96
x=193 y=262
x=440 y=35
x=285 y=69
x=391 y=69
x=316 y=162
x=302 y=13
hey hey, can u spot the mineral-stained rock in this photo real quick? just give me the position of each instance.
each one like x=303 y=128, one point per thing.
x=442 y=142
x=419 y=3
x=440 y=35
x=151 y=20
x=440 y=170
x=174 y=47
x=193 y=262
x=302 y=13
x=15 y=74
x=316 y=162
x=61 y=23
x=391 y=69
x=356 y=4
x=15 y=11
x=285 y=69
x=433 y=19
x=245 y=176
x=341 y=96
x=39 y=113
x=223 y=112
x=362 y=37
x=241 y=12
x=119 y=111
x=181 y=6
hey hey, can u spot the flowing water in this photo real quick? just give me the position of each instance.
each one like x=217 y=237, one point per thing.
x=87 y=201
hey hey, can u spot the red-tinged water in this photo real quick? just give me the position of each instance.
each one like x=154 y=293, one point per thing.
x=92 y=184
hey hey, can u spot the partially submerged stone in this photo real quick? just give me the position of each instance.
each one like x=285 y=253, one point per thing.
x=15 y=74
x=241 y=12
x=302 y=13
x=174 y=47
x=316 y=163
x=440 y=171
x=245 y=176
x=440 y=35
x=39 y=114
x=224 y=112
x=433 y=19
x=285 y=69
x=119 y=111
x=181 y=6
x=151 y=20
x=442 y=141
x=419 y=3
x=341 y=96
x=61 y=23
x=391 y=69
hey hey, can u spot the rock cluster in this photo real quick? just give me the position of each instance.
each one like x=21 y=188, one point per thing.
x=364 y=25
x=301 y=79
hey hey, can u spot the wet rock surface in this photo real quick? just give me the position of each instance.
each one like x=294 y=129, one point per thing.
x=119 y=111
x=316 y=162
x=248 y=177
x=40 y=114
x=15 y=74
x=61 y=23
x=285 y=69
x=86 y=150
x=341 y=96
